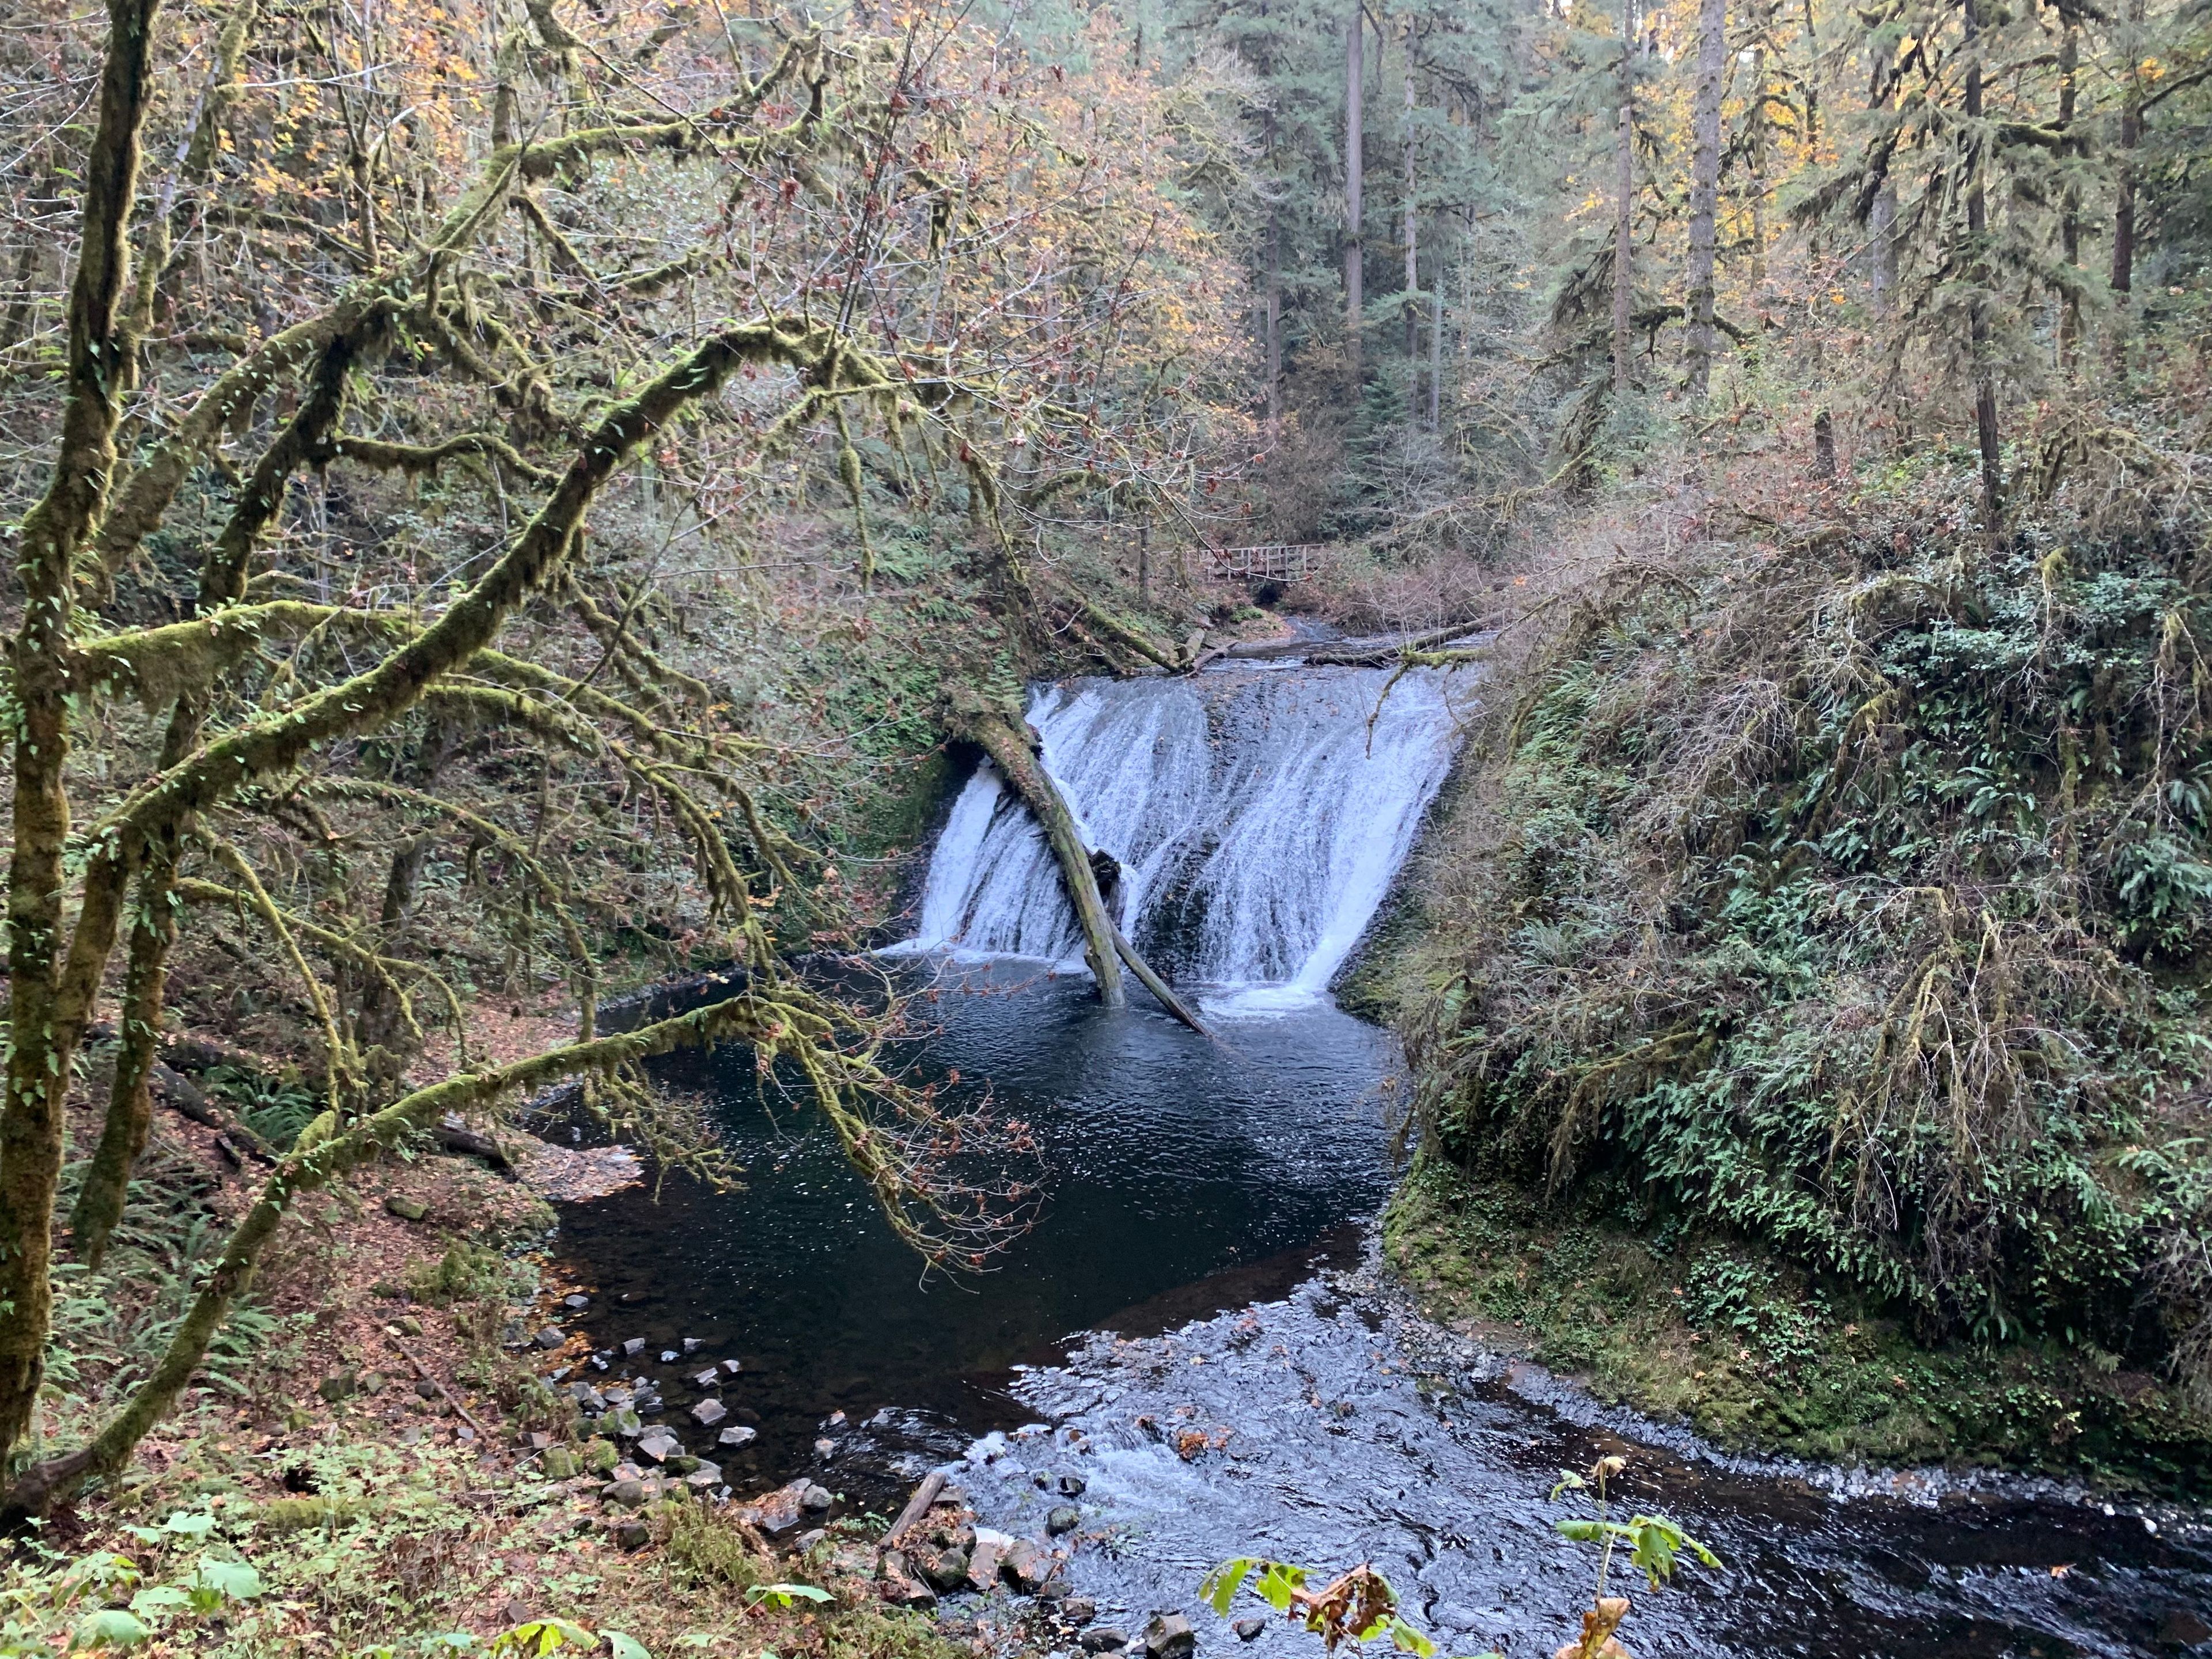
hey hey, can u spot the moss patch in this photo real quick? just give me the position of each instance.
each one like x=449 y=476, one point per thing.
x=1751 y=1355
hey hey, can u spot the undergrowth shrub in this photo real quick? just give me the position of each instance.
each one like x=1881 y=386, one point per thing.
x=1848 y=890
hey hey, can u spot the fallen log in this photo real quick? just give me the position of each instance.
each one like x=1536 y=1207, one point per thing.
x=1368 y=653
x=1006 y=737
x=1158 y=986
x=916 y=1507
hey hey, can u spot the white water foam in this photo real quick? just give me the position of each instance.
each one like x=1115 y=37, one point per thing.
x=1258 y=816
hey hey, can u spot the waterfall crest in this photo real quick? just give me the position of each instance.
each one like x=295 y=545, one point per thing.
x=1257 y=822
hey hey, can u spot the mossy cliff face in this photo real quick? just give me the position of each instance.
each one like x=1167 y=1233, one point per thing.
x=1824 y=926
x=1720 y=1337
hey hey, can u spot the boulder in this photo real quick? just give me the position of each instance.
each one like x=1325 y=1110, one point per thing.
x=780 y=1513
x=633 y=1347
x=1027 y=1568
x=551 y=1337
x=628 y=1494
x=731 y=1367
x=1065 y=1519
x=703 y=1474
x=942 y=1570
x=600 y=1456
x=709 y=1378
x=1169 y=1636
x=406 y=1208
x=693 y=1344
x=658 y=1447
x=814 y=1499
x=737 y=1437
x=983 y=1561
x=669 y=1356
x=1104 y=1638
x=633 y=1534
x=559 y=1463
x=709 y=1412
x=1079 y=1610
x=338 y=1385
x=624 y=1423
x=1248 y=1630
x=898 y=1586
x=1071 y=1485
x=577 y=1303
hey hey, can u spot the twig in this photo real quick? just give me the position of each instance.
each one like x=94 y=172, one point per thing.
x=451 y=1398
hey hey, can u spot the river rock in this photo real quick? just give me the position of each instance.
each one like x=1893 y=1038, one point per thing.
x=633 y=1347
x=780 y=1512
x=983 y=1561
x=1077 y=1610
x=1065 y=1519
x=629 y=1494
x=732 y=1367
x=898 y=1586
x=942 y=1570
x=1104 y=1638
x=669 y=1356
x=600 y=1456
x=559 y=1463
x=624 y=1423
x=703 y=1474
x=406 y=1208
x=824 y=1447
x=1071 y=1485
x=1248 y=1630
x=815 y=1499
x=740 y=1435
x=551 y=1337
x=659 y=1446
x=633 y=1534
x=709 y=1412
x=709 y=1378
x=693 y=1344
x=1169 y=1636
x=576 y=1303
x=1028 y=1568
x=337 y=1386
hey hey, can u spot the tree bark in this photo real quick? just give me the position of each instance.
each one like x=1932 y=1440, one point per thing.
x=47 y=1012
x=2130 y=139
x=1978 y=225
x=1274 y=304
x=2070 y=207
x=1624 y=200
x=1704 y=190
x=1008 y=740
x=1412 y=224
x=1881 y=214
x=1436 y=355
x=1355 y=88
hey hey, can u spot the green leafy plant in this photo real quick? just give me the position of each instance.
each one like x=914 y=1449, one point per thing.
x=1357 y=1605
x=785 y=1595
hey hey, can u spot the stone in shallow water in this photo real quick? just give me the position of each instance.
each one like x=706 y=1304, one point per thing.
x=669 y=1356
x=707 y=1474
x=633 y=1347
x=1067 y=1518
x=709 y=1412
x=1104 y=1638
x=1169 y=1636
x=707 y=1379
x=693 y=1344
x=737 y=1437
x=732 y=1367
x=1248 y=1630
x=578 y=1302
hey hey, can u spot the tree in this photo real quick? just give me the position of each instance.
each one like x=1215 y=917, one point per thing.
x=1704 y=190
x=876 y=275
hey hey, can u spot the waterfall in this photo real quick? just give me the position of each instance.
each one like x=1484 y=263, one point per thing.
x=1257 y=819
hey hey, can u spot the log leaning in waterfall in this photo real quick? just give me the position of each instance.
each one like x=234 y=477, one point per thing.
x=1006 y=738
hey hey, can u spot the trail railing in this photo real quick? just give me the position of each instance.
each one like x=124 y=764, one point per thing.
x=1276 y=562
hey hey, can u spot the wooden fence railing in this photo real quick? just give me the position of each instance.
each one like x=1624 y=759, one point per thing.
x=1277 y=562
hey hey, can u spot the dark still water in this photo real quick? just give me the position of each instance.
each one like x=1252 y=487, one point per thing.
x=1184 y=1175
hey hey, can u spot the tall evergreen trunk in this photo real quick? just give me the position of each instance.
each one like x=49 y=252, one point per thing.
x=2130 y=139
x=1755 y=146
x=1355 y=90
x=1978 y=228
x=1412 y=224
x=1624 y=211
x=1272 y=315
x=1625 y=195
x=1705 y=189
x=1436 y=355
x=1882 y=215
x=2070 y=209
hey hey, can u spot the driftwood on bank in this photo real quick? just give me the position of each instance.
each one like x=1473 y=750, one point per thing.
x=1372 y=652
x=1006 y=738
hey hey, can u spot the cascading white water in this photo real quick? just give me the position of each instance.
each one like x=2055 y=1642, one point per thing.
x=1259 y=815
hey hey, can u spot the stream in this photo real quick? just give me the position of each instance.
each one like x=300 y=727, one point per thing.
x=1195 y=1327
